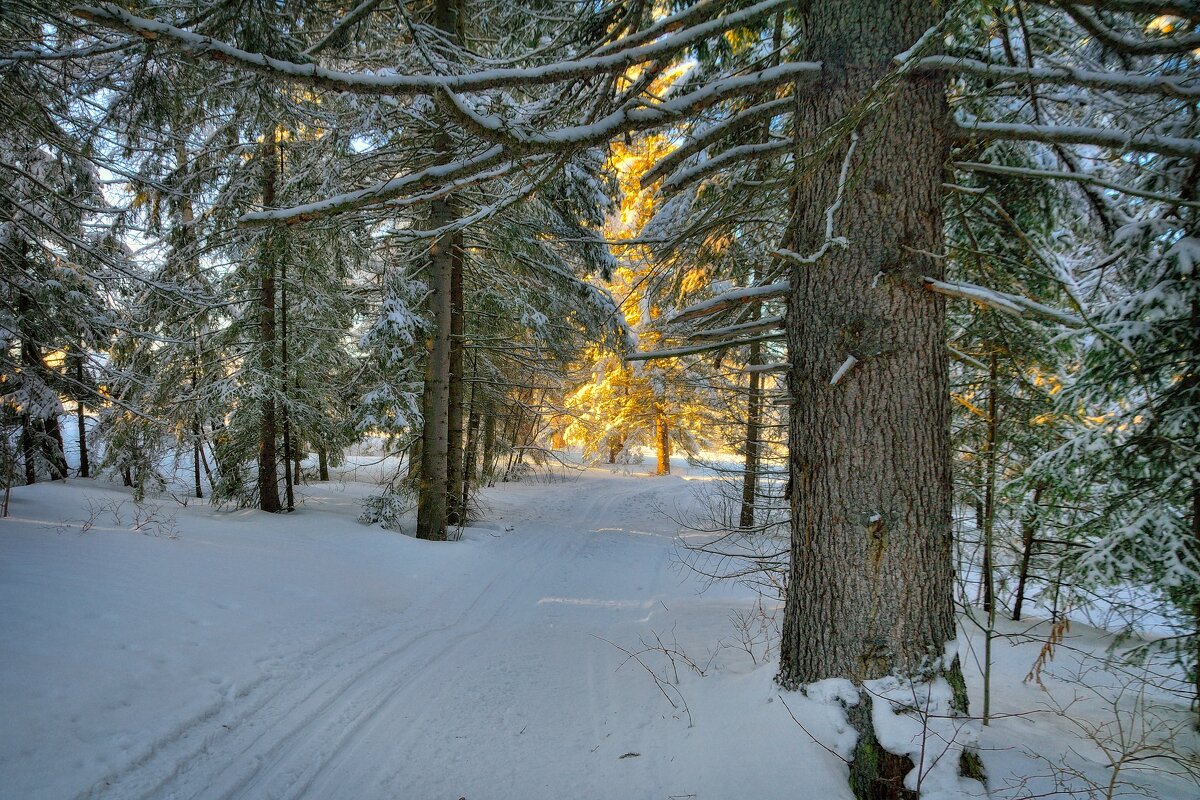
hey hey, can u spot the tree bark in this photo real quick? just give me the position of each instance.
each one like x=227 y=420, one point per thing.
x=1028 y=532
x=488 y=467
x=455 y=492
x=28 y=452
x=870 y=590
x=662 y=440
x=433 y=480
x=322 y=464
x=268 y=477
x=288 y=479
x=471 y=450
x=989 y=492
x=753 y=435
x=81 y=419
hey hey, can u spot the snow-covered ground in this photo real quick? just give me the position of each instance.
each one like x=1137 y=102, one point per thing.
x=214 y=654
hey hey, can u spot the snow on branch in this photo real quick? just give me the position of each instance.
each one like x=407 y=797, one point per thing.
x=1119 y=41
x=380 y=192
x=1054 y=175
x=752 y=327
x=350 y=18
x=676 y=352
x=1012 y=304
x=701 y=139
x=386 y=83
x=1183 y=88
x=1176 y=8
x=627 y=118
x=774 y=366
x=830 y=240
x=1101 y=137
x=730 y=299
x=734 y=155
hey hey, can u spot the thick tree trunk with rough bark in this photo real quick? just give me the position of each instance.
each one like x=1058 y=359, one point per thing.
x=268 y=477
x=431 y=489
x=870 y=587
x=433 y=479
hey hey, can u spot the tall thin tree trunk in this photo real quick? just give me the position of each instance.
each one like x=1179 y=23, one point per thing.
x=197 y=456
x=1028 y=534
x=322 y=464
x=188 y=240
x=471 y=452
x=28 y=452
x=81 y=419
x=454 y=417
x=488 y=470
x=870 y=590
x=288 y=478
x=753 y=436
x=989 y=492
x=268 y=476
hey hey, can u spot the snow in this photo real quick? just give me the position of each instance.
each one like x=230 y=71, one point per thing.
x=240 y=654
x=311 y=656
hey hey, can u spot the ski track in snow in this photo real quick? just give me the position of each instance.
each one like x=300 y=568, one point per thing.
x=377 y=706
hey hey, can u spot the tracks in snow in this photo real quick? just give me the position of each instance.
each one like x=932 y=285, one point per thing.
x=295 y=728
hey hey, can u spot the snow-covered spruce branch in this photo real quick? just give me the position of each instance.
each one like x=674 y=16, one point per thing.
x=723 y=160
x=774 y=366
x=752 y=327
x=1173 y=86
x=702 y=139
x=1175 y=8
x=830 y=240
x=628 y=118
x=689 y=350
x=1065 y=134
x=730 y=299
x=312 y=74
x=1077 y=177
x=1119 y=41
x=351 y=17
x=1012 y=304
x=380 y=192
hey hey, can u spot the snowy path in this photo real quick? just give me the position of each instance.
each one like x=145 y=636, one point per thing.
x=325 y=659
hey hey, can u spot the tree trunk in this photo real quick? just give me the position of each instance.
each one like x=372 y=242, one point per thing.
x=432 y=483
x=989 y=493
x=870 y=590
x=455 y=504
x=268 y=477
x=488 y=471
x=753 y=435
x=28 y=452
x=322 y=464
x=81 y=419
x=471 y=451
x=662 y=441
x=431 y=498
x=289 y=479
x=1028 y=532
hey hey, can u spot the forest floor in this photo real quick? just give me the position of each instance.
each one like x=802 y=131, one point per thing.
x=165 y=651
